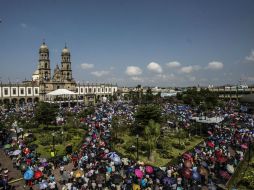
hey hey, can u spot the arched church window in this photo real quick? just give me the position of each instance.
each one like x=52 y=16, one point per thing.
x=46 y=65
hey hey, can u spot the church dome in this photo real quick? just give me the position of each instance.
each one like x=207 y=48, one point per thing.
x=36 y=72
x=44 y=47
x=65 y=51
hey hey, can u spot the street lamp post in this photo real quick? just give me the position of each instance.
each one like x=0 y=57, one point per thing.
x=22 y=133
x=250 y=147
x=53 y=135
x=137 y=146
x=62 y=133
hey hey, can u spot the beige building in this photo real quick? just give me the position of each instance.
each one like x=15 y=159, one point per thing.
x=44 y=81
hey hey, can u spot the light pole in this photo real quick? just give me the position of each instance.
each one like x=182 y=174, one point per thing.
x=22 y=132
x=62 y=133
x=137 y=146
x=53 y=135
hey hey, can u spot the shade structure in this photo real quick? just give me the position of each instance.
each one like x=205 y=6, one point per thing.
x=149 y=169
x=117 y=160
x=60 y=92
x=16 y=152
x=28 y=174
x=187 y=156
x=43 y=184
x=196 y=176
x=230 y=169
x=210 y=144
x=139 y=173
x=167 y=181
x=37 y=174
x=78 y=173
x=222 y=159
x=244 y=146
x=117 y=179
x=224 y=174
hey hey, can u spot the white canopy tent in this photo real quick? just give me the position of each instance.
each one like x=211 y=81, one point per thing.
x=60 y=92
x=66 y=94
x=203 y=119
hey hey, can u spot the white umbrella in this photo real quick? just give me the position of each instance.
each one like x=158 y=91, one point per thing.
x=111 y=155
x=230 y=169
x=117 y=160
x=16 y=152
x=43 y=185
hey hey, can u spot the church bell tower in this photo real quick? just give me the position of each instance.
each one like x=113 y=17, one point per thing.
x=66 y=64
x=44 y=63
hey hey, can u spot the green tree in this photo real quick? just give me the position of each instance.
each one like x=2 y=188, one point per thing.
x=45 y=113
x=116 y=126
x=86 y=112
x=180 y=135
x=144 y=114
x=152 y=133
x=148 y=97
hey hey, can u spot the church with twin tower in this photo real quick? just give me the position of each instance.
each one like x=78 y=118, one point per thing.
x=62 y=76
x=44 y=81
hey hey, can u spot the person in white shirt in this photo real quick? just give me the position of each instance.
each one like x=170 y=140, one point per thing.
x=52 y=185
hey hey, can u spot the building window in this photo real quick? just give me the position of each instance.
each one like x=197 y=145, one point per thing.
x=36 y=91
x=90 y=90
x=22 y=91
x=106 y=90
x=99 y=90
x=6 y=92
x=109 y=89
x=81 y=90
x=14 y=91
x=94 y=90
x=29 y=91
x=76 y=90
x=86 y=90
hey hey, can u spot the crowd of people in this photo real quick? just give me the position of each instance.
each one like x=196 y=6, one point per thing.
x=97 y=166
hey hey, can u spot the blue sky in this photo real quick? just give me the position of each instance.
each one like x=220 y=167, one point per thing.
x=155 y=43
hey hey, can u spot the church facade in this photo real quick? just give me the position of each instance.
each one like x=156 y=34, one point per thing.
x=44 y=81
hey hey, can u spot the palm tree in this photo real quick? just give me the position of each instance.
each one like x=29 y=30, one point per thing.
x=152 y=133
x=180 y=134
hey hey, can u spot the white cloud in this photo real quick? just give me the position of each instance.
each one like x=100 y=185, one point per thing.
x=137 y=79
x=155 y=67
x=86 y=66
x=133 y=71
x=189 y=69
x=173 y=64
x=215 y=65
x=250 y=57
x=192 y=78
x=23 y=25
x=251 y=79
x=100 y=73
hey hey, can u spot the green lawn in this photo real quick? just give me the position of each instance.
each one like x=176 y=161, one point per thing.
x=44 y=140
x=129 y=140
x=244 y=175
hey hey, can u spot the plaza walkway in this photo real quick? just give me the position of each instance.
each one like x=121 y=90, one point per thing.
x=13 y=173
